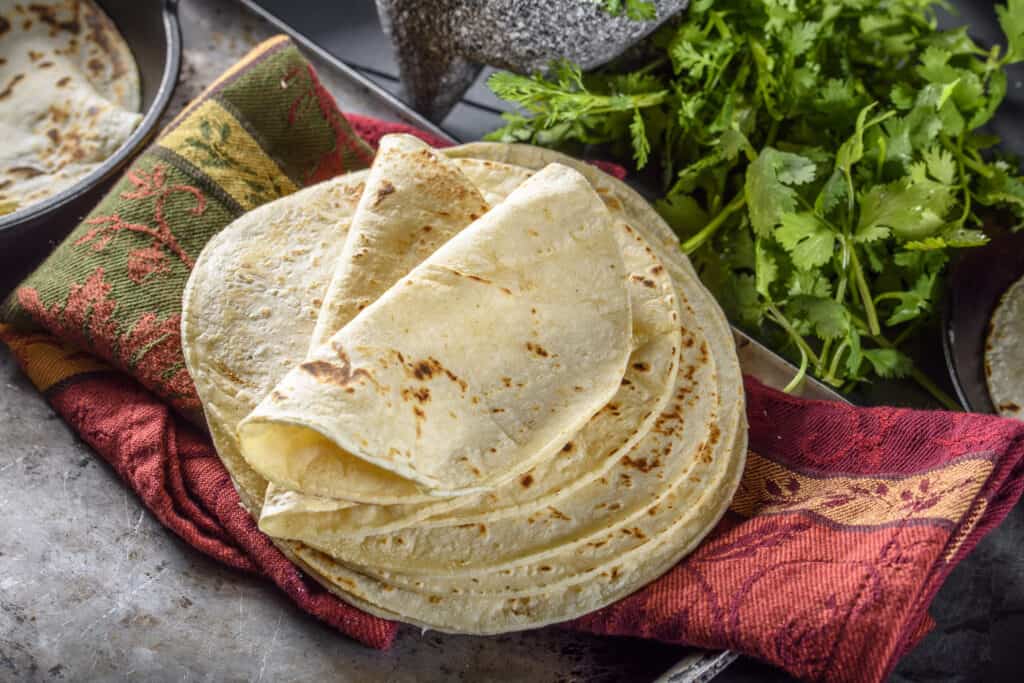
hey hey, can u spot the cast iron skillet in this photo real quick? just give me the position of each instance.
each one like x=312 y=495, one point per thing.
x=976 y=284
x=150 y=27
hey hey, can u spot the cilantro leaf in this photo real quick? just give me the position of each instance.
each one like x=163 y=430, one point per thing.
x=810 y=282
x=638 y=134
x=940 y=164
x=910 y=209
x=637 y=10
x=807 y=238
x=827 y=317
x=1003 y=188
x=766 y=270
x=767 y=186
x=683 y=213
x=889 y=362
x=748 y=306
x=832 y=193
x=912 y=303
x=1011 y=19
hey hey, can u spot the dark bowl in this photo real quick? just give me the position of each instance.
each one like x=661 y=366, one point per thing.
x=150 y=27
x=976 y=283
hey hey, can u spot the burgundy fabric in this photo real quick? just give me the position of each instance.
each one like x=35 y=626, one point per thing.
x=176 y=472
x=807 y=578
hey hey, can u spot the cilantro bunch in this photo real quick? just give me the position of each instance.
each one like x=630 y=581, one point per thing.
x=820 y=159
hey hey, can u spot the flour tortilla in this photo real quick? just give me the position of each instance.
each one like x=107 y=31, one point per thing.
x=1004 y=353
x=522 y=335
x=535 y=595
x=69 y=96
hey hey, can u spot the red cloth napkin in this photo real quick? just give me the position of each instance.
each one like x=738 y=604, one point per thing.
x=845 y=525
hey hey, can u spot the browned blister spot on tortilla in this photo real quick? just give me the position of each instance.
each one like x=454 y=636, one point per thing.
x=421 y=394
x=9 y=88
x=704 y=453
x=526 y=480
x=101 y=30
x=5 y=26
x=613 y=204
x=558 y=514
x=340 y=375
x=455 y=378
x=48 y=15
x=426 y=369
x=641 y=366
x=420 y=417
x=642 y=464
x=54 y=135
x=646 y=281
x=537 y=349
x=383 y=191
x=1009 y=406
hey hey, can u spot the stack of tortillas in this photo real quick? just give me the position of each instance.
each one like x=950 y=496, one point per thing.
x=478 y=389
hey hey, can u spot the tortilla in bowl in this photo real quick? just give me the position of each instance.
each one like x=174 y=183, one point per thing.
x=70 y=96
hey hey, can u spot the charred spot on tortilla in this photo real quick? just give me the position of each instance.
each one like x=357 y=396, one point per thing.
x=537 y=349
x=330 y=373
x=383 y=191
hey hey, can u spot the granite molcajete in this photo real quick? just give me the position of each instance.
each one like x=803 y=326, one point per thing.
x=441 y=45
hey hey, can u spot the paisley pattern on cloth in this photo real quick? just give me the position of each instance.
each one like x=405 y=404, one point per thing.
x=846 y=523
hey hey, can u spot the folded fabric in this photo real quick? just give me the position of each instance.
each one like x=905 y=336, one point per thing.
x=845 y=525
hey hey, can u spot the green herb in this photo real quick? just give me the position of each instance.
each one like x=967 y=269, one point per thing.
x=820 y=160
x=637 y=10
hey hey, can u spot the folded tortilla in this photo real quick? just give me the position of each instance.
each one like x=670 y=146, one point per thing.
x=521 y=334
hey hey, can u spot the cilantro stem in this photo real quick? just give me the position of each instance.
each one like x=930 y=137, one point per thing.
x=779 y=319
x=697 y=240
x=865 y=292
x=977 y=167
x=798 y=378
x=836 y=357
